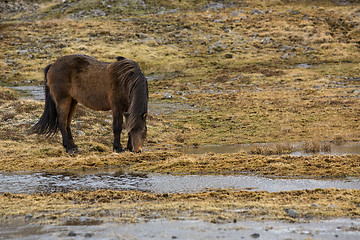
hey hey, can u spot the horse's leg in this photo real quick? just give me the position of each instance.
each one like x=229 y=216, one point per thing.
x=117 y=128
x=63 y=109
x=68 y=129
x=129 y=144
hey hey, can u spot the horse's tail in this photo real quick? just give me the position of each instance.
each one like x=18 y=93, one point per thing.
x=47 y=123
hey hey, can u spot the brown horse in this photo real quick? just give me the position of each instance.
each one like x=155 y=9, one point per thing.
x=119 y=86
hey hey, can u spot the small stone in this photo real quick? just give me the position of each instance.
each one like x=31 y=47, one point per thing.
x=235 y=13
x=167 y=96
x=28 y=217
x=286 y=48
x=266 y=40
x=217 y=47
x=243 y=17
x=98 y=13
x=228 y=55
x=303 y=65
x=141 y=35
x=23 y=52
x=88 y=235
x=285 y=56
x=292 y=213
x=71 y=234
x=255 y=235
x=257 y=12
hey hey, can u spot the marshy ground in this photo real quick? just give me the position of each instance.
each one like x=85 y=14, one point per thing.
x=219 y=73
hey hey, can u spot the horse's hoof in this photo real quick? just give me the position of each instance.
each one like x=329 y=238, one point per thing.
x=72 y=151
x=118 y=150
x=76 y=150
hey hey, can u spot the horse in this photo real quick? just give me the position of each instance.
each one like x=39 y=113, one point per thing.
x=119 y=86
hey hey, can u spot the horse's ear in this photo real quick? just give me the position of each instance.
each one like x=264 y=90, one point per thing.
x=145 y=115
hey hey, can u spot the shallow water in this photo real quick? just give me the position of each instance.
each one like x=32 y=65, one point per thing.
x=334 y=148
x=27 y=183
x=187 y=229
x=31 y=92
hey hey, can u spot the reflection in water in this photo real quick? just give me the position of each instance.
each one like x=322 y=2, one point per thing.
x=28 y=183
x=68 y=181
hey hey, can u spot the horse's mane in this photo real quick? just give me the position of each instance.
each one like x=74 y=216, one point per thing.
x=129 y=74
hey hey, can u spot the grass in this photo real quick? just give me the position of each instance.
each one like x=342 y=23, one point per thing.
x=272 y=100
x=254 y=96
x=216 y=206
x=236 y=79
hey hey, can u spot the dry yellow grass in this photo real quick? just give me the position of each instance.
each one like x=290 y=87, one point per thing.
x=217 y=206
x=285 y=73
x=253 y=96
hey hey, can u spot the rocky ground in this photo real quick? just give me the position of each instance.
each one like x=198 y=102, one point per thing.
x=219 y=73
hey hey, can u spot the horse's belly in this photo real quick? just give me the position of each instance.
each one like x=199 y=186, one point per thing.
x=94 y=100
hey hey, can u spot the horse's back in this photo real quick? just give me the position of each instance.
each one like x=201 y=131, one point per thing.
x=82 y=78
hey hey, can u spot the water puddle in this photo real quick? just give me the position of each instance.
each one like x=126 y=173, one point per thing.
x=294 y=149
x=31 y=92
x=28 y=183
x=190 y=229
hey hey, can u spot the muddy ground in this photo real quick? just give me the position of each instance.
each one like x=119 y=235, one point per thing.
x=220 y=73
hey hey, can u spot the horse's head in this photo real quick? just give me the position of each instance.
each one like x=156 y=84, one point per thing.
x=138 y=133
x=138 y=95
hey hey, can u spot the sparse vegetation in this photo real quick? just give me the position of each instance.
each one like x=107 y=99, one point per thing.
x=236 y=72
